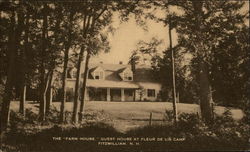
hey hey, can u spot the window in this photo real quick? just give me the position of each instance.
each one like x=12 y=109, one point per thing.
x=128 y=76
x=151 y=92
x=99 y=75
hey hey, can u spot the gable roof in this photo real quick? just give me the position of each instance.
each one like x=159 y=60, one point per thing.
x=142 y=73
x=97 y=68
x=109 y=67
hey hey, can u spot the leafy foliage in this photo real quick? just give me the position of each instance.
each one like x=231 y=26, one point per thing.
x=221 y=41
x=223 y=134
x=223 y=46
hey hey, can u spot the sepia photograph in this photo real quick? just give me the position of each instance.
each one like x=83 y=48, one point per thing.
x=124 y=75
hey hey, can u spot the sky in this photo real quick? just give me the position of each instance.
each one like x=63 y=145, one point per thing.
x=125 y=38
x=127 y=34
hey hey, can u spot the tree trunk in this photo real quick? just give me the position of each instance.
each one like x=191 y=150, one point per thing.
x=77 y=88
x=24 y=71
x=49 y=92
x=64 y=80
x=7 y=94
x=88 y=26
x=42 y=68
x=44 y=95
x=205 y=93
x=42 y=108
x=85 y=77
x=204 y=85
x=22 y=100
x=10 y=76
x=65 y=68
x=79 y=63
x=173 y=75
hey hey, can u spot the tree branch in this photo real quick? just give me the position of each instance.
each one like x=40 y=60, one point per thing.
x=84 y=21
x=87 y=26
x=103 y=10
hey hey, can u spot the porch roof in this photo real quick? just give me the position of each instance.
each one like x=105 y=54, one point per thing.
x=111 y=84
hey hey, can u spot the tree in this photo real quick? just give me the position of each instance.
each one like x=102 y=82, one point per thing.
x=95 y=45
x=24 y=61
x=200 y=27
x=69 y=9
x=146 y=52
x=173 y=73
x=12 y=45
x=49 y=18
x=229 y=69
x=92 y=11
x=96 y=15
x=33 y=58
x=44 y=46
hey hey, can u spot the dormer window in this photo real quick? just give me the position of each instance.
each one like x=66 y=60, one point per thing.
x=127 y=76
x=98 y=75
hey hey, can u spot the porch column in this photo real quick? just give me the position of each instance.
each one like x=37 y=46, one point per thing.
x=122 y=95
x=108 y=94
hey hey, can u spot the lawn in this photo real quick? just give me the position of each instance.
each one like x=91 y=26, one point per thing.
x=127 y=115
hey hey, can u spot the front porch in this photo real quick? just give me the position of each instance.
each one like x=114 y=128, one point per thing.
x=110 y=94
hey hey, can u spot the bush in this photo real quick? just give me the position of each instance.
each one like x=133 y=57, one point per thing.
x=223 y=134
x=53 y=115
x=43 y=139
x=19 y=121
x=229 y=131
x=246 y=108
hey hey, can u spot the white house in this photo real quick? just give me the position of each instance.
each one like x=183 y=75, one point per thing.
x=117 y=82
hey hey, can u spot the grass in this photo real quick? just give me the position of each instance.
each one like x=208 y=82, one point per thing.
x=191 y=134
x=128 y=115
x=127 y=120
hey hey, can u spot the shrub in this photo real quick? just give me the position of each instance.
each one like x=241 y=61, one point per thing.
x=230 y=131
x=246 y=108
x=43 y=139
x=223 y=134
x=53 y=115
